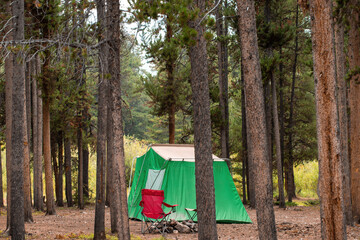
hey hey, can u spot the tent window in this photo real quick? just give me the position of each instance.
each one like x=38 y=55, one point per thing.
x=155 y=179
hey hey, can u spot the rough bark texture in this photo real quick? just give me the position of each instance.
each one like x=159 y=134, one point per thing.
x=204 y=176
x=256 y=123
x=68 y=190
x=343 y=117
x=354 y=64
x=99 y=228
x=17 y=225
x=119 y=194
x=330 y=178
x=1 y=183
x=8 y=108
x=221 y=31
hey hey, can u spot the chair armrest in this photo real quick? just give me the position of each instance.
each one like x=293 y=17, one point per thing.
x=169 y=206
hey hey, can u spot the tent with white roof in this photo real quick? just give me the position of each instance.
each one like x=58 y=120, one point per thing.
x=171 y=167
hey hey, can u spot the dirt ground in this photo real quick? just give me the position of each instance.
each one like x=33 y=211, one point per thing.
x=292 y=223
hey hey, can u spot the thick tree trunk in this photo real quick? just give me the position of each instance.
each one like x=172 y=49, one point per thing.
x=330 y=179
x=109 y=161
x=99 y=228
x=68 y=188
x=119 y=196
x=55 y=164
x=205 y=192
x=281 y=109
x=256 y=122
x=354 y=65
x=18 y=125
x=343 y=117
x=221 y=31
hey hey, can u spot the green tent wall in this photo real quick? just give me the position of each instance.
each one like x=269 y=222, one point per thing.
x=179 y=185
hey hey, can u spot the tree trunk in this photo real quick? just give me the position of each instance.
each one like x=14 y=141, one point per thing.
x=330 y=178
x=8 y=113
x=1 y=182
x=86 y=171
x=68 y=187
x=109 y=151
x=343 y=117
x=221 y=32
x=80 y=170
x=170 y=68
x=60 y=197
x=278 y=146
x=354 y=65
x=37 y=169
x=256 y=122
x=99 y=228
x=281 y=109
x=55 y=164
x=204 y=176
x=27 y=187
x=18 y=125
x=290 y=183
x=50 y=203
x=245 y=166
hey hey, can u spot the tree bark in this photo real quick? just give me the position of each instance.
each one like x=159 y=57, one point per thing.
x=221 y=31
x=60 y=197
x=354 y=65
x=343 y=116
x=17 y=225
x=80 y=170
x=204 y=178
x=68 y=187
x=330 y=178
x=8 y=113
x=26 y=141
x=119 y=193
x=278 y=146
x=256 y=122
x=37 y=169
x=290 y=183
x=1 y=182
x=99 y=228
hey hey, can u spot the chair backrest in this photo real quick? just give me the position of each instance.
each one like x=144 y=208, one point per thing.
x=151 y=202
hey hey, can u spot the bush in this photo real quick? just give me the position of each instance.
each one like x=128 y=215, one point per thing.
x=306 y=179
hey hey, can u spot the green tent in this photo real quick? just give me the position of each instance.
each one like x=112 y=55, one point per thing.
x=171 y=167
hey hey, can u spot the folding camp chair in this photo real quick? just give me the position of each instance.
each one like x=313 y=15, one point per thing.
x=154 y=216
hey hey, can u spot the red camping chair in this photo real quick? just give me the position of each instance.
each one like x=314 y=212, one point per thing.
x=154 y=216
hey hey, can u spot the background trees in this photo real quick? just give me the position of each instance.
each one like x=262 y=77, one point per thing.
x=68 y=101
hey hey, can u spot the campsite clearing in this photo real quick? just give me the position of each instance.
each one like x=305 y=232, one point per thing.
x=72 y=223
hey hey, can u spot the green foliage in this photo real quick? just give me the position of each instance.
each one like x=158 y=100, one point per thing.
x=306 y=179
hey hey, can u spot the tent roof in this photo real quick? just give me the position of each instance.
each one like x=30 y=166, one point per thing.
x=178 y=152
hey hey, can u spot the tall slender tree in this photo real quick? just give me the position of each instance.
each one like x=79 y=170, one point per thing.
x=204 y=178
x=118 y=183
x=17 y=225
x=354 y=99
x=330 y=180
x=99 y=228
x=256 y=122
x=343 y=113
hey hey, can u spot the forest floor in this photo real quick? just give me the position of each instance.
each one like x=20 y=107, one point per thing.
x=298 y=222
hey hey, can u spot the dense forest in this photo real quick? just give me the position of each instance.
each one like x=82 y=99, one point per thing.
x=86 y=85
